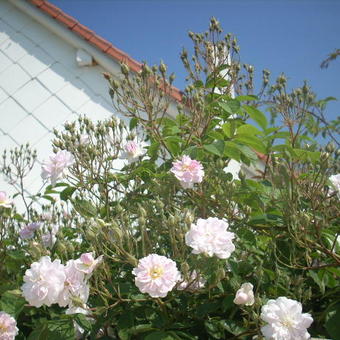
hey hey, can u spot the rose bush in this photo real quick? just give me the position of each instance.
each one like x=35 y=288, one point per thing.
x=141 y=231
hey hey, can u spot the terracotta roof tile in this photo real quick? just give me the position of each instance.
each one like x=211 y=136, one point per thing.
x=99 y=42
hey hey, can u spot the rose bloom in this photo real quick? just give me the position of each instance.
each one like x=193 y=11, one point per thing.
x=210 y=237
x=28 y=231
x=285 y=320
x=156 y=275
x=55 y=167
x=188 y=171
x=87 y=263
x=133 y=150
x=74 y=285
x=43 y=282
x=4 y=200
x=8 y=327
x=245 y=295
x=335 y=182
x=194 y=283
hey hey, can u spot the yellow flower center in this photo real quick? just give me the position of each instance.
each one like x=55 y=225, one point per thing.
x=3 y=328
x=287 y=322
x=156 y=272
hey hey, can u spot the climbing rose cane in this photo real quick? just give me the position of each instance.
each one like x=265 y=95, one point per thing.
x=285 y=320
x=188 y=171
x=156 y=275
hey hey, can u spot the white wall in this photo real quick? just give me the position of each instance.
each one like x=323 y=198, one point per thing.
x=41 y=86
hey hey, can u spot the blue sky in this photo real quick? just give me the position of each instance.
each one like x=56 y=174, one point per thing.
x=290 y=36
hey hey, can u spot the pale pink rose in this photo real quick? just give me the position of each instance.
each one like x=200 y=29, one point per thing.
x=44 y=281
x=156 y=275
x=285 y=320
x=133 y=149
x=4 y=200
x=245 y=295
x=87 y=263
x=75 y=285
x=195 y=283
x=28 y=231
x=8 y=327
x=188 y=171
x=335 y=183
x=210 y=237
x=55 y=167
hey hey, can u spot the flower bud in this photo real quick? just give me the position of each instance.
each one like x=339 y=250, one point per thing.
x=124 y=69
x=245 y=295
x=162 y=68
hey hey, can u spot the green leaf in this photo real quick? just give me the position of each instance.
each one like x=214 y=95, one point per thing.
x=225 y=107
x=61 y=329
x=214 y=81
x=228 y=303
x=83 y=322
x=318 y=280
x=160 y=335
x=84 y=207
x=333 y=322
x=40 y=333
x=246 y=98
x=172 y=143
x=216 y=148
x=256 y=115
x=198 y=84
x=153 y=149
x=133 y=123
x=228 y=129
x=232 y=327
x=12 y=302
x=67 y=193
x=206 y=308
x=248 y=129
x=231 y=151
x=234 y=105
x=251 y=141
x=246 y=151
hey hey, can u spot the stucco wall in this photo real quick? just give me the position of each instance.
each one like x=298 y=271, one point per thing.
x=42 y=86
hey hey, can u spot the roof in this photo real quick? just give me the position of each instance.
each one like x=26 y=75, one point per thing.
x=92 y=38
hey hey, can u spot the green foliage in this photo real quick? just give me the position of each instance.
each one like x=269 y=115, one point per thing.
x=281 y=207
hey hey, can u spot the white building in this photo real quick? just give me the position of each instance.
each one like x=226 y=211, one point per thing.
x=50 y=72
